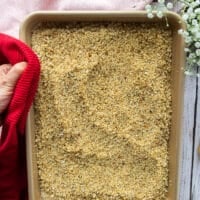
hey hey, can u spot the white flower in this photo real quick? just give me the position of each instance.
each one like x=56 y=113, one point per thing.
x=182 y=5
x=197 y=44
x=180 y=31
x=190 y=10
x=148 y=7
x=188 y=39
x=197 y=11
x=161 y=1
x=194 y=4
x=150 y=15
x=186 y=49
x=192 y=58
x=185 y=17
x=191 y=55
x=159 y=14
x=198 y=52
x=194 y=22
x=185 y=33
x=197 y=35
x=169 y=5
x=194 y=30
x=192 y=15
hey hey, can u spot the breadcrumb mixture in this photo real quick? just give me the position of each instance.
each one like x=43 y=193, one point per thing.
x=103 y=110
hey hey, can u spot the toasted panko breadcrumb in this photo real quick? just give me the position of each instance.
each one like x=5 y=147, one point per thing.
x=103 y=110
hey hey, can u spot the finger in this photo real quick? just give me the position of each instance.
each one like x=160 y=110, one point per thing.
x=14 y=73
x=3 y=72
x=4 y=69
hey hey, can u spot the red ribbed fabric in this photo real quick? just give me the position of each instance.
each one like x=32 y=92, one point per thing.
x=13 y=184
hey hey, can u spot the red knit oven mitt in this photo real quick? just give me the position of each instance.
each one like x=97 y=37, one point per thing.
x=13 y=182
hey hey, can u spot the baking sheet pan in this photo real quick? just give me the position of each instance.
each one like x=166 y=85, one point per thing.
x=178 y=61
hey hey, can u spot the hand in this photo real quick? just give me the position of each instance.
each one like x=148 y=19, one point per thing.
x=9 y=76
